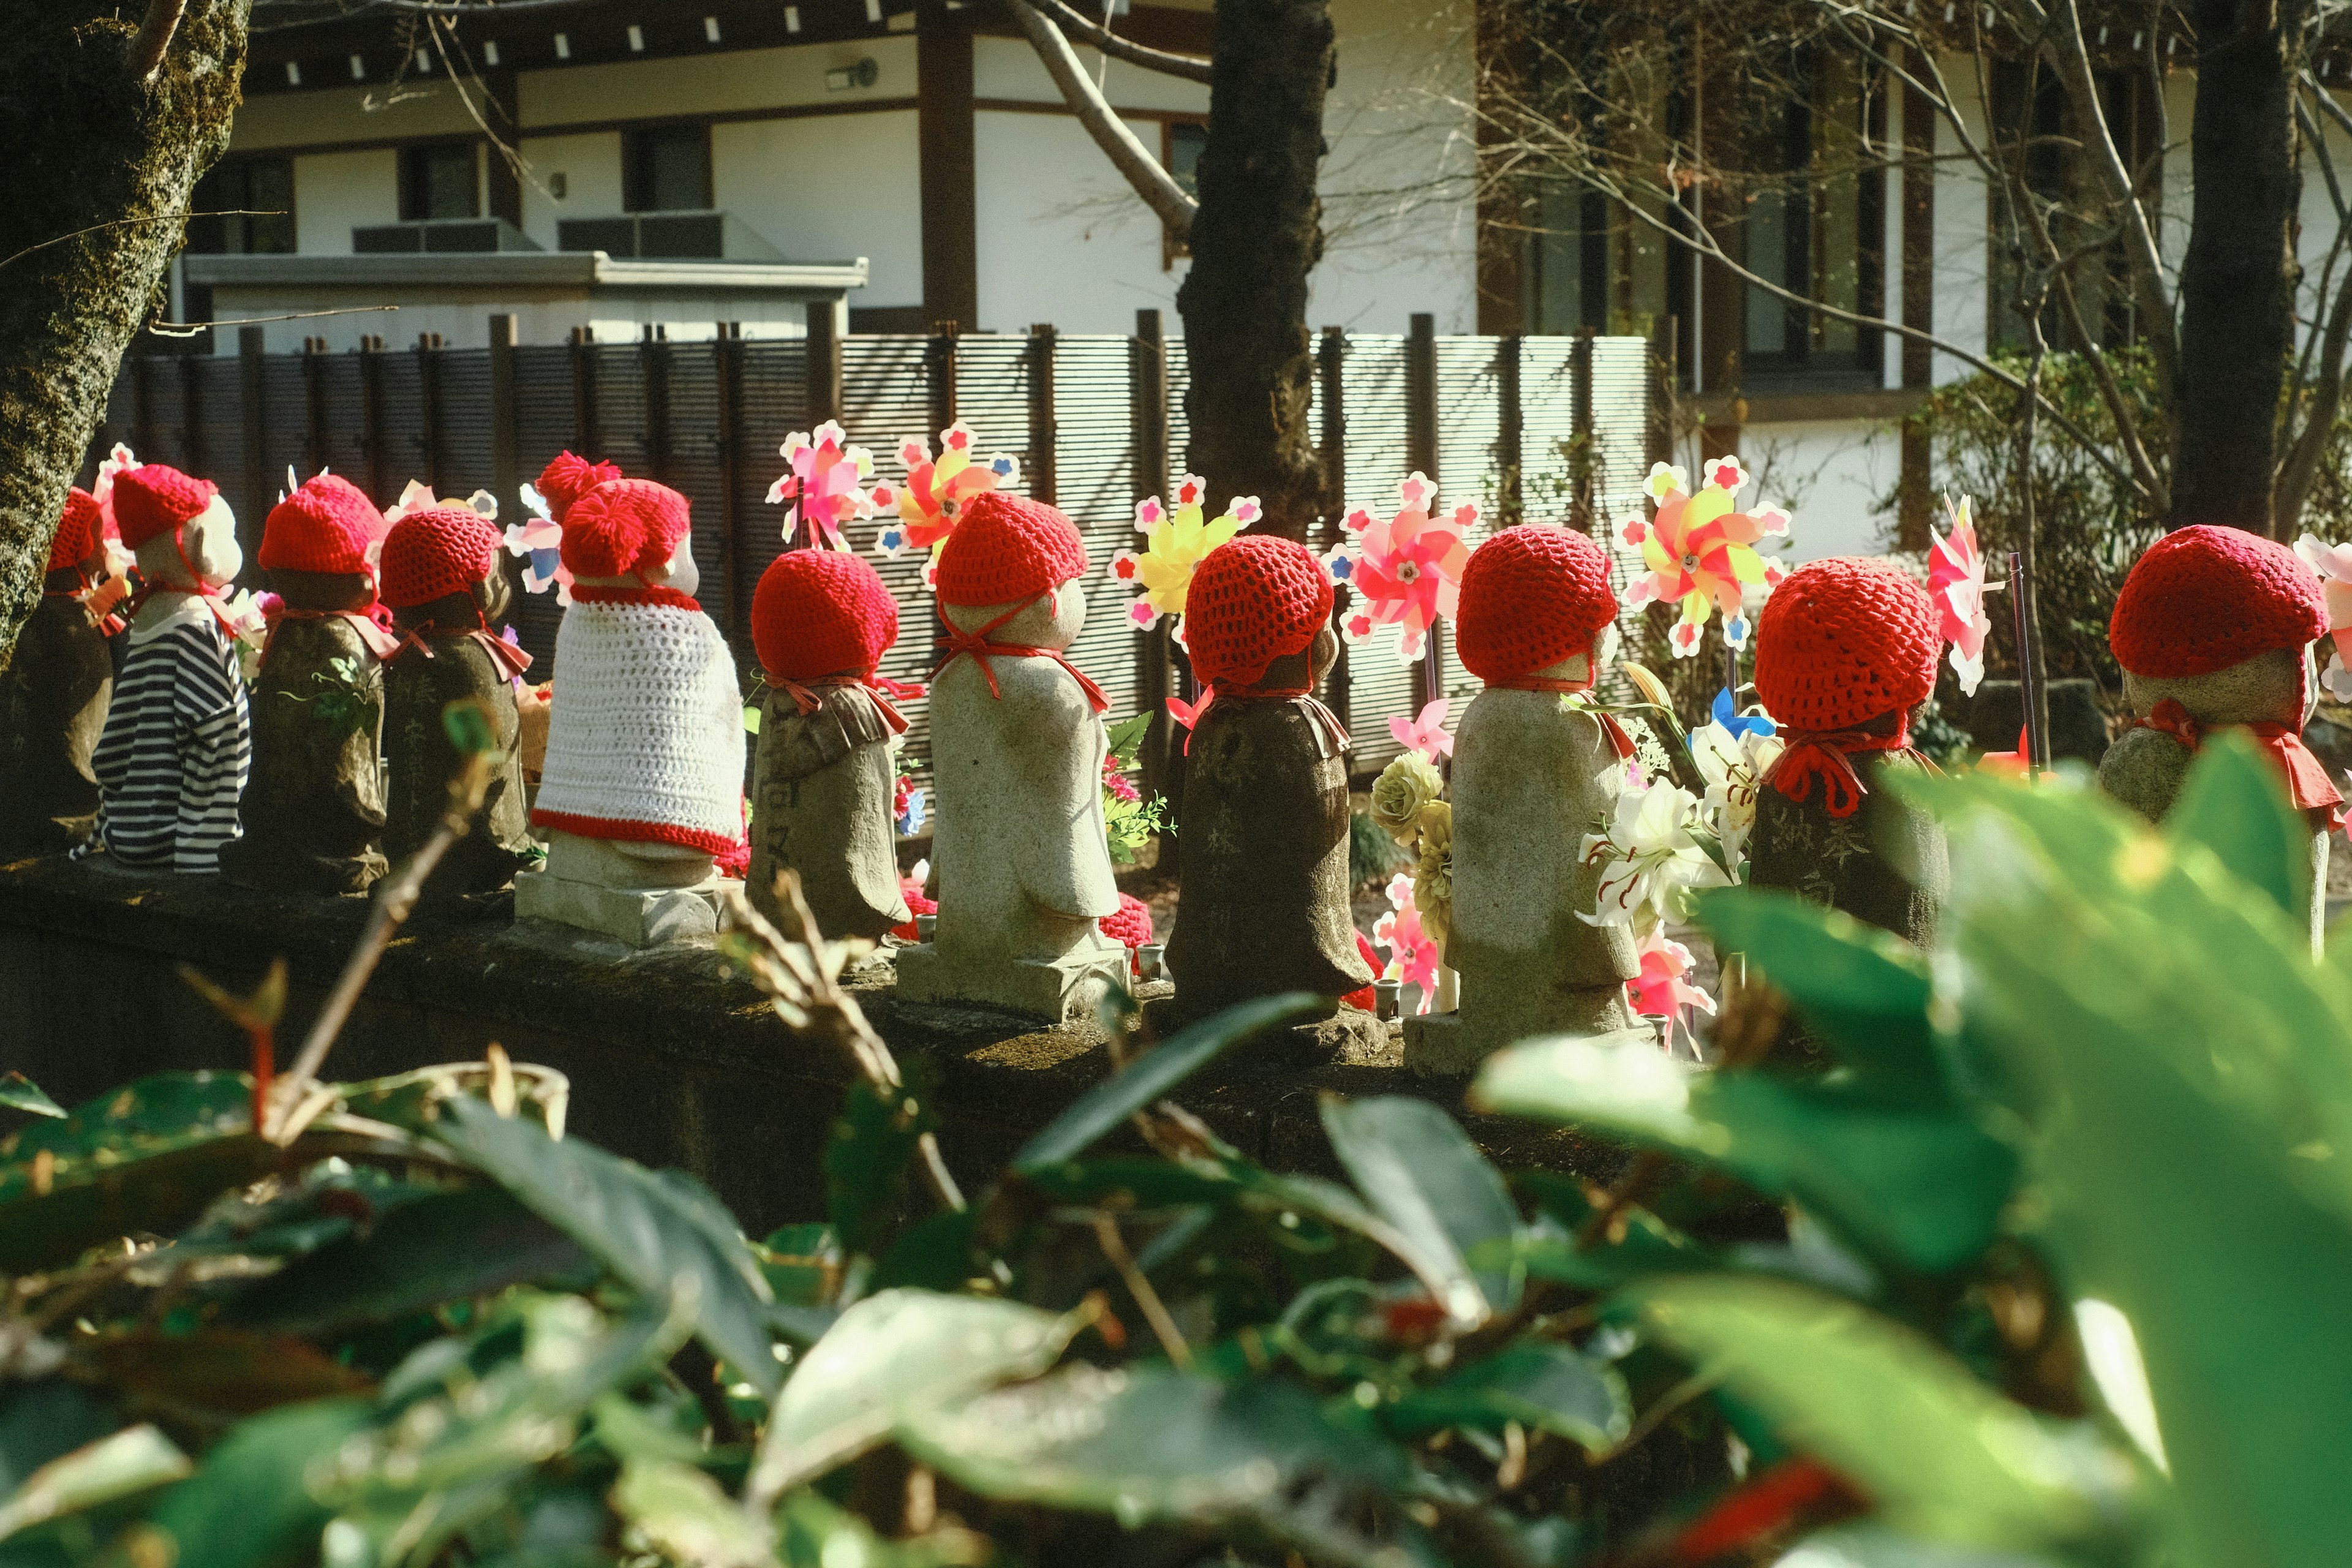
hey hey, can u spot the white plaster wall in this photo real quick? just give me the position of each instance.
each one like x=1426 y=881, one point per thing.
x=830 y=187
x=721 y=83
x=336 y=192
x=590 y=167
x=1062 y=238
x=1962 y=251
x=1831 y=475
x=349 y=111
x=1009 y=68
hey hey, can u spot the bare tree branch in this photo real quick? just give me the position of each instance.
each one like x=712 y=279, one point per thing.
x=1141 y=170
x=154 y=36
x=1191 y=67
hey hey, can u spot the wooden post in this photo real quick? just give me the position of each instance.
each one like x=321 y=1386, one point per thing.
x=1511 y=435
x=506 y=420
x=587 y=434
x=1579 y=425
x=314 y=405
x=824 y=369
x=371 y=413
x=728 y=356
x=428 y=400
x=252 y=382
x=1330 y=370
x=142 y=404
x=1421 y=453
x=653 y=362
x=940 y=365
x=1147 y=369
x=191 y=415
x=1043 y=482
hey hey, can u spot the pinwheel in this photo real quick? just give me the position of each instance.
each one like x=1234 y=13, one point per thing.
x=936 y=489
x=538 y=540
x=1175 y=540
x=1414 y=956
x=1956 y=580
x=2334 y=564
x=1407 y=571
x=1425 y=734
x=1661 y=990
x=1701 y=552
x=823 y=482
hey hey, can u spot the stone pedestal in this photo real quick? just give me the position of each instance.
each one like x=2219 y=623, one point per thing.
x=313 y=810
x=1263 y=849
x=53 y=700
x=1071 y=986
x=636 y=893
x=420 y=763
x=1530 y=779
x=822 y=791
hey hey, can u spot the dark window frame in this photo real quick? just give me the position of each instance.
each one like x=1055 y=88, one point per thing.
x=223 y=216
x=639 y=176
x=415 y=184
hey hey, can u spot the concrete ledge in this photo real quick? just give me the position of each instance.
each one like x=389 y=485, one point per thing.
x=671 y=1062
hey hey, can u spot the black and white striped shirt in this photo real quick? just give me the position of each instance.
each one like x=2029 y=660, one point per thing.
x=177 y=746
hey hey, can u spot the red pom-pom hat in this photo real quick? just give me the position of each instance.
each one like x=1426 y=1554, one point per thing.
x=1252 y=600
x=153 y=499
x=325 y=526
x=1531 y=596
x=1007 y=549
x=821 y=612
x=2204 y=598
x=624 y=528
x=568 y=478
x=81 y=528
x=434 y=553
x=1844 y=641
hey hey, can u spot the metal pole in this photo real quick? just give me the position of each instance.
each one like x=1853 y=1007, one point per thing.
x=2029 y=635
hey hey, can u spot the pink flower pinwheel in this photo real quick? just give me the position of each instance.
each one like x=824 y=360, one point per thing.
x=1406 y=571
x=2334 y=564
x=1413 y=953
x=1700 y=551
x=1956 y=580
x=936 y=489
x=1661 y=990
x=1425 y=734
x=822 y=482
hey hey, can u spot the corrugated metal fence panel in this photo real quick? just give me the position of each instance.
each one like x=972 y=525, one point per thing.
x=402 y=458
x=694 y=469
x=464 y=443
x=621 y=407
x=1372 y=394
x=775 y=404
x=1179 y=424
x=544 y=426
x=1094 y=476
x=886 y=399
x=221 y=430
x=1620 y=435
x=285 y=410
x=1469 y=427
x=342 y=432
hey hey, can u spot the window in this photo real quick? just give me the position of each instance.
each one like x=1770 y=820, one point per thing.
x=666 y=168
x=1816 y=217
x=1568 y=261
x=439 y=180
x=2039 y=139
x=245 y=206
x=1181 y=142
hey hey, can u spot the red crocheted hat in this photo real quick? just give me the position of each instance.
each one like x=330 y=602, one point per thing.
x=432 y=553
x=2204 y=598
x=1252 y=600
x=567 y=479
x=153 y=500
x=821 y=612
x=1531 y=596
x=1842 y=641
x=623 y=526
x=79 y=529
x=1005 y=548
x=325 y=526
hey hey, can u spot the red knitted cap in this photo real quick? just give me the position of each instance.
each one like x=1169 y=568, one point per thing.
x=623 y=526
x=2204 y=598
x=567 y=479
x=1008 y=547
x=153 y=500
x=325 y=526
x=1252 y=600
x=1842 y=641
x=820 y=612
x=431 y=554
x=79 y=529
x=1531 y=596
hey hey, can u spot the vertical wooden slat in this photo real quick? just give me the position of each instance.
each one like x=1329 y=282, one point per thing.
x=371 y=436
x=1043 y=483
x=587 y=432
x=506 y=418
x=1148 y=413
x=314 y=405
x=1421 y=454
x=428 y=402
x=199 y=460
x=728 y=355
x=1580 y=373
x=142 y=407
x=941 y=370
x=252 y=392
x=652 y=357
x=1330 y=363
x=1510 y=441
x=824 y=365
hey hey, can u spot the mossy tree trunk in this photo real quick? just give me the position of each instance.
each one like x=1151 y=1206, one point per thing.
x=101 y=159
x=1256 y=236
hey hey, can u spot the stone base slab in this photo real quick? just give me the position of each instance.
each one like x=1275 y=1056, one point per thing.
x=1437 y=1044
x=639 y=917
x=1072 y=986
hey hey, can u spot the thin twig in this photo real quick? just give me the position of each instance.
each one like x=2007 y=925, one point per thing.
x=150 y=217
x=146 y=58
x=1155 y=1312
x=395 y=902
x=1156 y=187
x=190 y=328
x=1191 y=67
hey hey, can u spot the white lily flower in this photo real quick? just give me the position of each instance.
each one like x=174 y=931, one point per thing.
x=1649 y=858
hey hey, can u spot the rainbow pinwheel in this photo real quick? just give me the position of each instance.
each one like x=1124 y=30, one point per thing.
x=1956 y=580
x=1701 y=552
x=823 y=482
x=1174 y=541
x=936 y=489
x=1406 y=571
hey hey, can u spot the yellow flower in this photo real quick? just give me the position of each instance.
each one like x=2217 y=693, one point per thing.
x=1404 y=786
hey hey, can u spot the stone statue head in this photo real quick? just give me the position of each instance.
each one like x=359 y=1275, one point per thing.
x=1050 y=620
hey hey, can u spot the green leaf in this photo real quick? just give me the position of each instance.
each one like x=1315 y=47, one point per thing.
x=1921 y=1190
x=2234 y=803
x=1424 y=1176
x=686 y=1517
x=1152 y=1075
x=445 y=1247
x=1543 y=1385
x=1939 y=1455
x=46 y=1420
x=1873 y=1546
x=135 y=1459
x=247 y=1506
x=18 y=1092
x=1148 y=1445
x=1864 y=989
x=891 y=1354
x=649 y=1228
x=1126 y=737
x=866 y=1158
x=471 y=729
x=802 y=1264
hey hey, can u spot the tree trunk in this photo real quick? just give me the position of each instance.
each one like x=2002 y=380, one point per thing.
x=2238 y=279
x=92 y=148
x=1257 y=235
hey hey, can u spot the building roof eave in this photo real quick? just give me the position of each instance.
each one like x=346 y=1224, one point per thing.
x=589 y=271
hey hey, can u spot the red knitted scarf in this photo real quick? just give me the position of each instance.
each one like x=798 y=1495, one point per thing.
x=2306 y=775
x=1827 y=754
x=982 y=651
